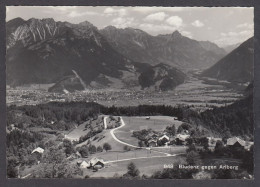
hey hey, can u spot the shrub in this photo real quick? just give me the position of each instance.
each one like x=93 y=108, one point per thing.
x=107 y=146
x=99 y=149
x=132 y=170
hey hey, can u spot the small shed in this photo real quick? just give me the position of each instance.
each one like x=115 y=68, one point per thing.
x=38 y=150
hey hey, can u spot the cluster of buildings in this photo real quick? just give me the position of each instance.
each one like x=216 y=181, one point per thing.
x=94 y=163
x=36 y=95
x=233 y=142
x=31 y=97
x=155 y=139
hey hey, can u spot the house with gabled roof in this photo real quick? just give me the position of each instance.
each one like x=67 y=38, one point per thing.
x=84 y=164
x=235 y=142
x=180 y=139
x=164 y=137
x=96 y=162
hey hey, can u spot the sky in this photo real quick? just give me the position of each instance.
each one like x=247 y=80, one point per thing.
x=221 y=25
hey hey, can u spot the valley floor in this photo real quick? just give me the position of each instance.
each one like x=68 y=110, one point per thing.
x=194 y=92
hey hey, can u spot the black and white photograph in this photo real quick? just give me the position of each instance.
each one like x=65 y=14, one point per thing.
x=120 y=92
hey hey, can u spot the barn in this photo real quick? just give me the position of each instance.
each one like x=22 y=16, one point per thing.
x=235 y=142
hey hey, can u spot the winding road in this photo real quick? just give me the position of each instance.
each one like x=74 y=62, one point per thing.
x=105 y=122
x=130 y=145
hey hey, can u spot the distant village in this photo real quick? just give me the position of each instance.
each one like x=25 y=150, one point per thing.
x=22 y=96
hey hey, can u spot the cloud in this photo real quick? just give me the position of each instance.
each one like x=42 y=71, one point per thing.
x=246 y=25
x=197 y=23
x=241 y=33
x=63 y=8
x=187 y=34
x=159 y=16
x=157 y=28
x=232 y=37
x=123 y=22
x=74 y=14
x=175 y=21
x=145 y=10
x=111 y=11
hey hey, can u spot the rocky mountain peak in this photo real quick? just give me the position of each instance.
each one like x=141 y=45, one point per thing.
x=30 y=31
x=176 y=34
x=87 y=24
x=110 y=28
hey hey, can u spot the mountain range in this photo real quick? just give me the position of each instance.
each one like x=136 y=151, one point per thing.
x=173 y=49
x=76 y=57
x=237 y=66
x=81 y=57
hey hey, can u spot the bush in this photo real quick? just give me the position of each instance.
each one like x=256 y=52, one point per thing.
x=174 y=173
x=219 y=148
x=92 y=149
x=141 y=143
x=107 y=146
x=99 y=149
x=183 y=126
x=132 y=171
x=248 y=160
x=84 y=151
x=192 y=158
x=171 y=130
x=126 y=148
x=191 y=147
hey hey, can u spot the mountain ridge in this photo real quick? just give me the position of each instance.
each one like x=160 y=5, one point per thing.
x=45 y=51
x=173 y=49
x=237 y=66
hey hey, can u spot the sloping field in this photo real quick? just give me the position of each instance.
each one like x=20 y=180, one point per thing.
x=146 y=166
x=113 y=156
x=81 y=130
x=104 y=137
x=76 y=133
x=157 y=123
x=171 y=149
